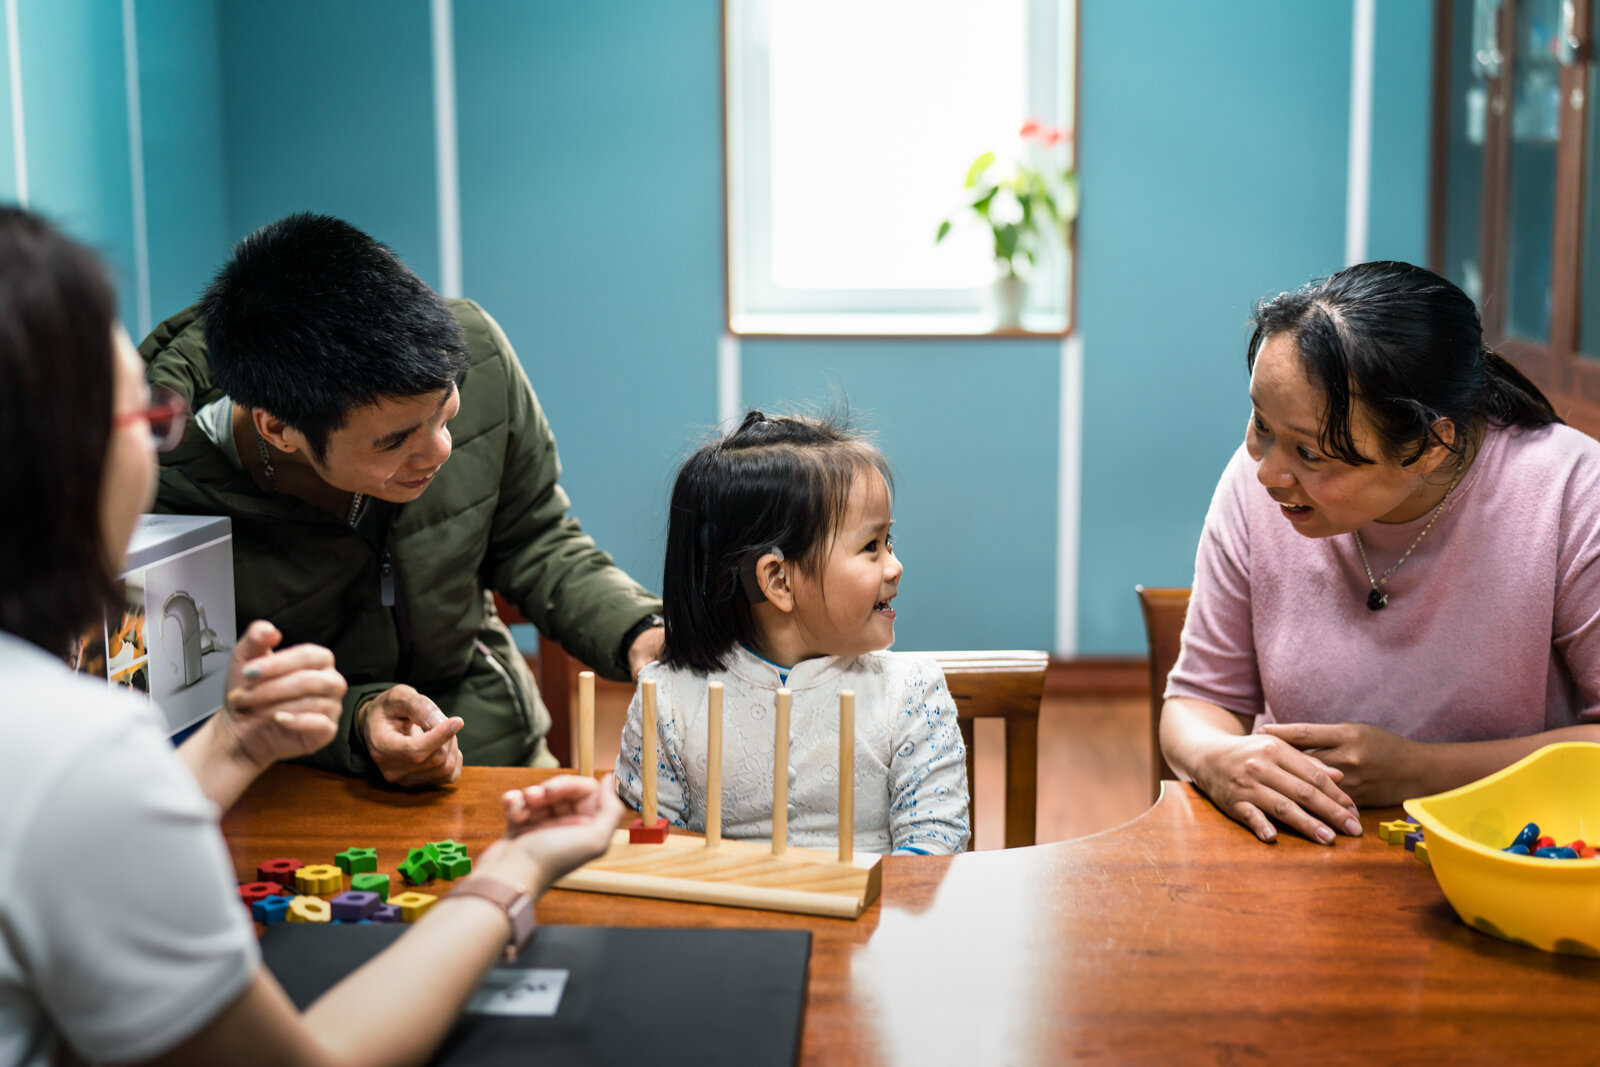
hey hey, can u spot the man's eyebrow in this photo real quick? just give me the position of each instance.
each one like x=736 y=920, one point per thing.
x=395 y=439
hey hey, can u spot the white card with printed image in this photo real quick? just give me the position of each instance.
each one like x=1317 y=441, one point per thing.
x=530 y=992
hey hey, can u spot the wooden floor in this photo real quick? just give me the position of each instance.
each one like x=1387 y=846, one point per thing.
x=1094 y=762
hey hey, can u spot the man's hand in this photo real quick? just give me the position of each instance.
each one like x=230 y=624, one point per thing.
x=279 y=704
x=1377 y=766
x=410 y=739
x=646 y=649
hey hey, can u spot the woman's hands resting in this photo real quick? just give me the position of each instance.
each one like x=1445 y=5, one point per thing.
x=1258 y=778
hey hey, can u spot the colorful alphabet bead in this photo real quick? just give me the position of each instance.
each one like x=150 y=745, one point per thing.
x=280 y=871
x=357 y=860
x=319 y=878
x=309 y=910
x=371 y=883
x=353 y=905
x=269 y=910
x=412 y=905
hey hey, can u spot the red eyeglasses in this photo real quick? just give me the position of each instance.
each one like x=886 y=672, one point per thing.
x=168 y=415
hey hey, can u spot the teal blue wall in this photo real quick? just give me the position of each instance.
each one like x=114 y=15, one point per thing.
x=328 y=107
x=1213 y=140
x=591 y=214
x=1402 y=87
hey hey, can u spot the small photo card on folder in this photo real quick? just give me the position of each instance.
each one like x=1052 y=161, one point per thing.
x=593 y=994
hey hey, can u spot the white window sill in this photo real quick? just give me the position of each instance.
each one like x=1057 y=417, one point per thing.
x=929 y=324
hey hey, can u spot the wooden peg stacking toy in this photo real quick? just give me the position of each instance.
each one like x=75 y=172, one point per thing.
x=847 y=775
x=586 y=723
x=713 y=764
x=648 y=829
x=780 y=773
x=740 y=874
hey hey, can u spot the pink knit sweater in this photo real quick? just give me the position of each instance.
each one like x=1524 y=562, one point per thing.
x=1493 y=624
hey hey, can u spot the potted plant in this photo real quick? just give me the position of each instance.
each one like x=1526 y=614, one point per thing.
x=1023 y=205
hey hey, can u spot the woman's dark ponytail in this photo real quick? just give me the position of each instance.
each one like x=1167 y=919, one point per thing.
x=1509 y=398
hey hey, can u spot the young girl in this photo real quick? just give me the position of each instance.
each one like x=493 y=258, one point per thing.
x=780 y=572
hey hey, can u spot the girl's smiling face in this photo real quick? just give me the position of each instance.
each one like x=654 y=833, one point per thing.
x=847 y=610
x=1321 y=495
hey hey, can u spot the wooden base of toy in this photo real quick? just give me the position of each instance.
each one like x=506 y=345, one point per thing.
x=640 y=834
x=740 y=874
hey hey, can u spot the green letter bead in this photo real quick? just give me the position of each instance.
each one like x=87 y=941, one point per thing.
x=371 y=883
x=357 y=860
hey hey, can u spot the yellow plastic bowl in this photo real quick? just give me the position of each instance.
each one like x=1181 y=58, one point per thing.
x=1548 y=904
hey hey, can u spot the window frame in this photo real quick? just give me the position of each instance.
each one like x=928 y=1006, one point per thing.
x=826 y=313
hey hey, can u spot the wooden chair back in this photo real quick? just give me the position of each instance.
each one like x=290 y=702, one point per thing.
x=1164 y=613
x=1009 y=686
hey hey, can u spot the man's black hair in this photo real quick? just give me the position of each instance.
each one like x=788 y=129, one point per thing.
x=311 y=318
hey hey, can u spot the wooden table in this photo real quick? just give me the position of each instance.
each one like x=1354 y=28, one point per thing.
x=1175 y=938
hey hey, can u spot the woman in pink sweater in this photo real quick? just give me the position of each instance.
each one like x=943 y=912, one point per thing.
x=1396 y=590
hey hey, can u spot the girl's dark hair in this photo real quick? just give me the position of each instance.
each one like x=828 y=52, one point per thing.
x=1409 y=346
x=57 y=314
x=774 y=482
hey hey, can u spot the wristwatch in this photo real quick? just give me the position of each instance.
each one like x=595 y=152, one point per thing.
x=648 y=622
x=515 y=900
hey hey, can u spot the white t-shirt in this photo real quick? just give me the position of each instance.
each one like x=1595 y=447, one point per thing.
x=121 y=931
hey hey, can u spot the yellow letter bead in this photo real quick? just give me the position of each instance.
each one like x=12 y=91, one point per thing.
x=309 y=910
x=319 y=878
x=412 y=905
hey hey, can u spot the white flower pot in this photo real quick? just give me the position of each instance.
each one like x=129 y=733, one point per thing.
x=1006 y=297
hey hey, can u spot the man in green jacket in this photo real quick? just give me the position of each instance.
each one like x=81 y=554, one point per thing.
x=329 y=387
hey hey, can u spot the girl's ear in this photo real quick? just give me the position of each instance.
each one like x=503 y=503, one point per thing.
x=773 y=577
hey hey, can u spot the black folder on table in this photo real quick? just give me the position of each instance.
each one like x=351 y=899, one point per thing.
x=661 y=996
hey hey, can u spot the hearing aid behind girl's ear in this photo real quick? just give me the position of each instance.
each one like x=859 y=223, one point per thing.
x=751 y=580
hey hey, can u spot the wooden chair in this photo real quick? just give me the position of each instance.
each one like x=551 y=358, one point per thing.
x=1009 y=686
x=1164 y=612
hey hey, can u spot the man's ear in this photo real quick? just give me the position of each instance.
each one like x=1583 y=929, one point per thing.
x=275 y=432
x=773 y=577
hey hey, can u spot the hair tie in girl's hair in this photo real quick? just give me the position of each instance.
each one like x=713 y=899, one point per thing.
x=747 y=574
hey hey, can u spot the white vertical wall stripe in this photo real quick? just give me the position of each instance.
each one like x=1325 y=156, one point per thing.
x=1069 y=489
x=446 y=149
x=1359 y=182
x=19 y=138
x=141 y=230
x=730 y=383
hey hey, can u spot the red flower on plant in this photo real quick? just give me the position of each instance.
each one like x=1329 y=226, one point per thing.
x=1030 y=129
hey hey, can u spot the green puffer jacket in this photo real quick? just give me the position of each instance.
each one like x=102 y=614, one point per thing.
x=402 y=596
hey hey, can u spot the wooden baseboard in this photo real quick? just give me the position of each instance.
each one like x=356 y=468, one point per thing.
x=1097 y=676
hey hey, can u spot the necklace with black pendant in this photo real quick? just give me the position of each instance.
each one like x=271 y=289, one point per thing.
x=1377 y=599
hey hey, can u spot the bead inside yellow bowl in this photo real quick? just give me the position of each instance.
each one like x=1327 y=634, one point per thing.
x=1550 y=904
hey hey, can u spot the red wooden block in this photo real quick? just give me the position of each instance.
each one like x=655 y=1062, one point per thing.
x=251 y=892
x=280 y=871
x=640 y=834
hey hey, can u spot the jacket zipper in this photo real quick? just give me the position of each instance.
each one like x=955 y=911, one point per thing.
x=505 y=676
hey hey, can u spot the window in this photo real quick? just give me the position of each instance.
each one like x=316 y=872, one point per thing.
x=851 y=124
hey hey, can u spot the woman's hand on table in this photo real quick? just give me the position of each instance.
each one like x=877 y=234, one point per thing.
x=1375 y=765
x=1258 y=778
x=280 y=704
x=563 y=823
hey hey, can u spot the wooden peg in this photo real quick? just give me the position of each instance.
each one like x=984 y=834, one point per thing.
x=780 y=775
x=847 y=775
x=586 y=723
x=647 y=759
x=713 y=764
